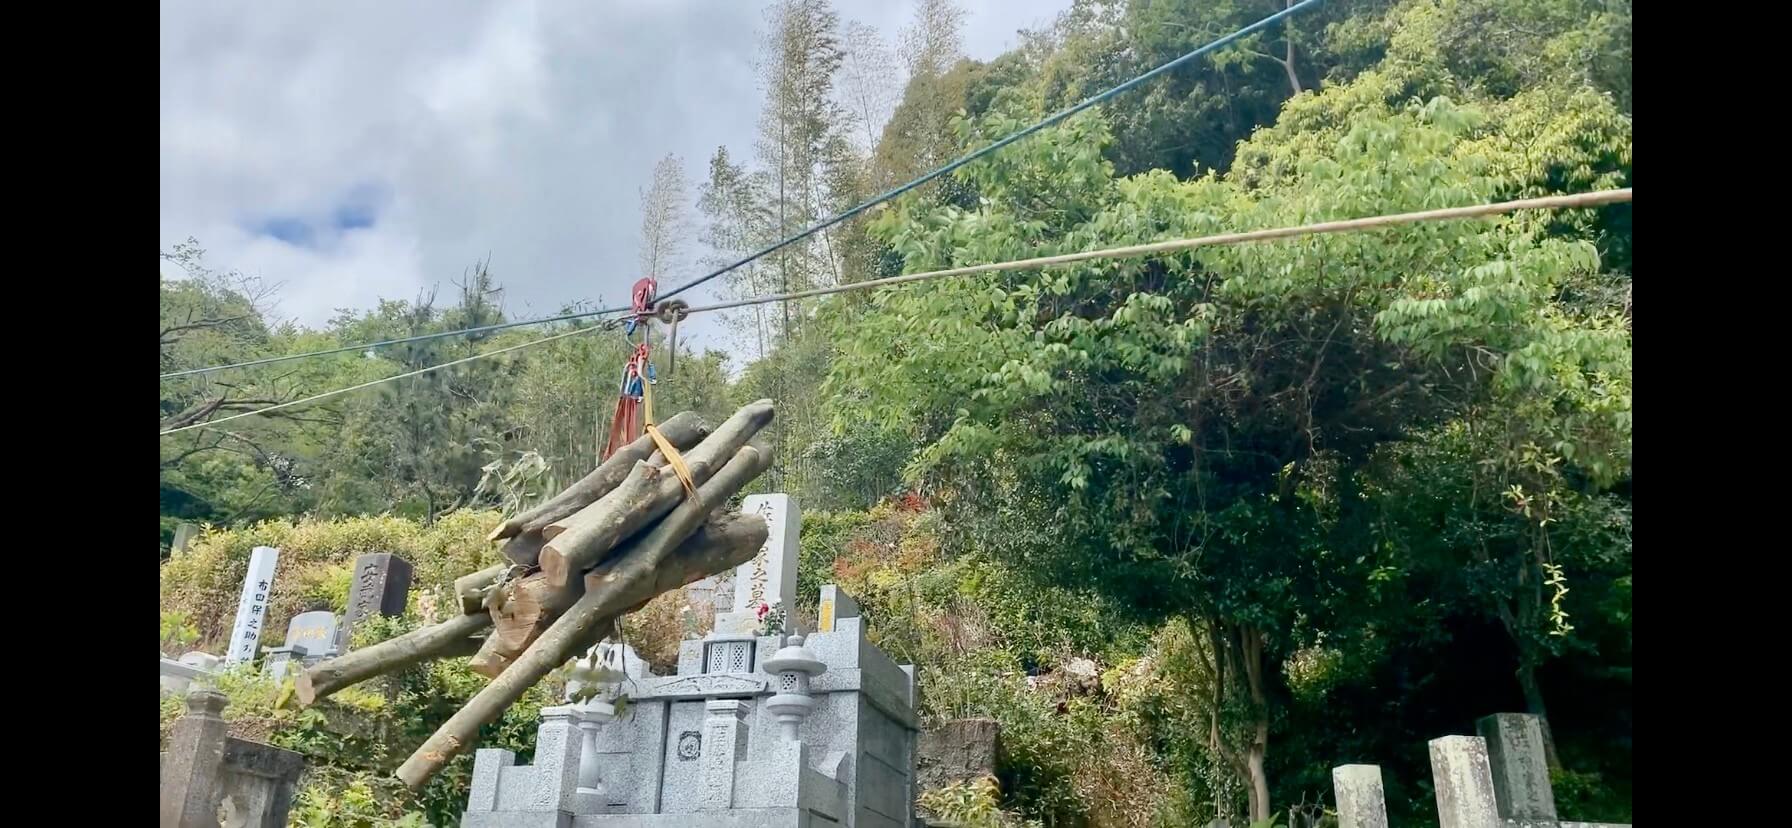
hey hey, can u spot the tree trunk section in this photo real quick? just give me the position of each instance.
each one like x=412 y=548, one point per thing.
x=634 y=494
x=683 y=430
x=523 y=549
x=1533 y=704
x=530 y=605
x=449 y=638
x=1288 y=53
x=629 y=581
x=469 y=590
x=527 y=607
x=1259 y=790
x=578 y=543
x=1251 y=651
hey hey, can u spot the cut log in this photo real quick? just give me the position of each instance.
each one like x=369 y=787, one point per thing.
x=725 y=541
x=633 y=494
x=683 y=430
x=525 y=548
x=531 y=604
x=630 y=580
x=578 y=543
x=469 y=590
x=719 y=546
x=447 y=639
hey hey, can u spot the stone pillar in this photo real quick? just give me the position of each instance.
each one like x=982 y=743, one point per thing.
x=1361 y=801
x=556 y=768
x=183 y=536
x=770 y=576
x=724 y=741
x=835 y=604
x=488 y=766
x=1464 y=783
x=1520 y=769
x=192 y=775
x=252 y=607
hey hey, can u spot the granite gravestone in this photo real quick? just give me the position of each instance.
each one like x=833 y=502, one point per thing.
x=252 y=608
x=381 y=581
x=769 y=578
x=753 y=732
x=310 y=638
x=315 y=631
x=183 y=536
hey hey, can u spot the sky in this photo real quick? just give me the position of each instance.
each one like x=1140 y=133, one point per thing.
x=353 y=152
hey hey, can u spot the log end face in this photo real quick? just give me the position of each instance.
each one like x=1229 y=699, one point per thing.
x=760 y=412
x=303 y=688
x=413 y=778
x=488 y=663
x=553 y=566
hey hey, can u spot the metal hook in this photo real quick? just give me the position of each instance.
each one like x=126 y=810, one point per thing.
x=670 y=312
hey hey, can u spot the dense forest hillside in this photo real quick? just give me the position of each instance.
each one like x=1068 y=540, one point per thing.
x=1302 y=503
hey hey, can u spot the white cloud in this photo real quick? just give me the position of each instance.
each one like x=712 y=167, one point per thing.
x=523 y=130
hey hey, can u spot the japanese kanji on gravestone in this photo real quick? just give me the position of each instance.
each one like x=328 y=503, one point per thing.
x=315 y=631
x=310 y=638
x=770 y=577
x=258 y=583
x=380 y=583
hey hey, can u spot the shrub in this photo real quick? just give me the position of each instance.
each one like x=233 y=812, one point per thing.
x=178 y=633
x=205 y=582
x=355 y=739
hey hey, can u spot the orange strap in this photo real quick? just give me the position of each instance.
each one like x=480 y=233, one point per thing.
x=673 y=458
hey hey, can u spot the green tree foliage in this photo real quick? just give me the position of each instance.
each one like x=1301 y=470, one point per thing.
x=208 y=316
x=1193 y=528
x=1200 y=430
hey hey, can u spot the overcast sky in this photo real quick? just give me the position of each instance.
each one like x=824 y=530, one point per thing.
x=359 y=151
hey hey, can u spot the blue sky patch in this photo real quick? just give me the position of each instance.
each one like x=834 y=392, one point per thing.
x=357 y=209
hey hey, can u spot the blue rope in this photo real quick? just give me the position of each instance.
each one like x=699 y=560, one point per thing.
x=1048 y=122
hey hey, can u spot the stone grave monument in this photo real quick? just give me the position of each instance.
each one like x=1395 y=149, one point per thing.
x=310 y=638
x=381 y=582
x=179 y=676
x=754 y=730
x=1496 y=779
x=252 y=607
x=769 y=578
x=183 y=537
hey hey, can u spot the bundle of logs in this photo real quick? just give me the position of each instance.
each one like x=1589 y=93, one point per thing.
x=627 y=532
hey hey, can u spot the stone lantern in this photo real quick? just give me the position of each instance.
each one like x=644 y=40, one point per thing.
x=792 y=668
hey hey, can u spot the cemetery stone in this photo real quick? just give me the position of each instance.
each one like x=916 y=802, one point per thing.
x=381 y=582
